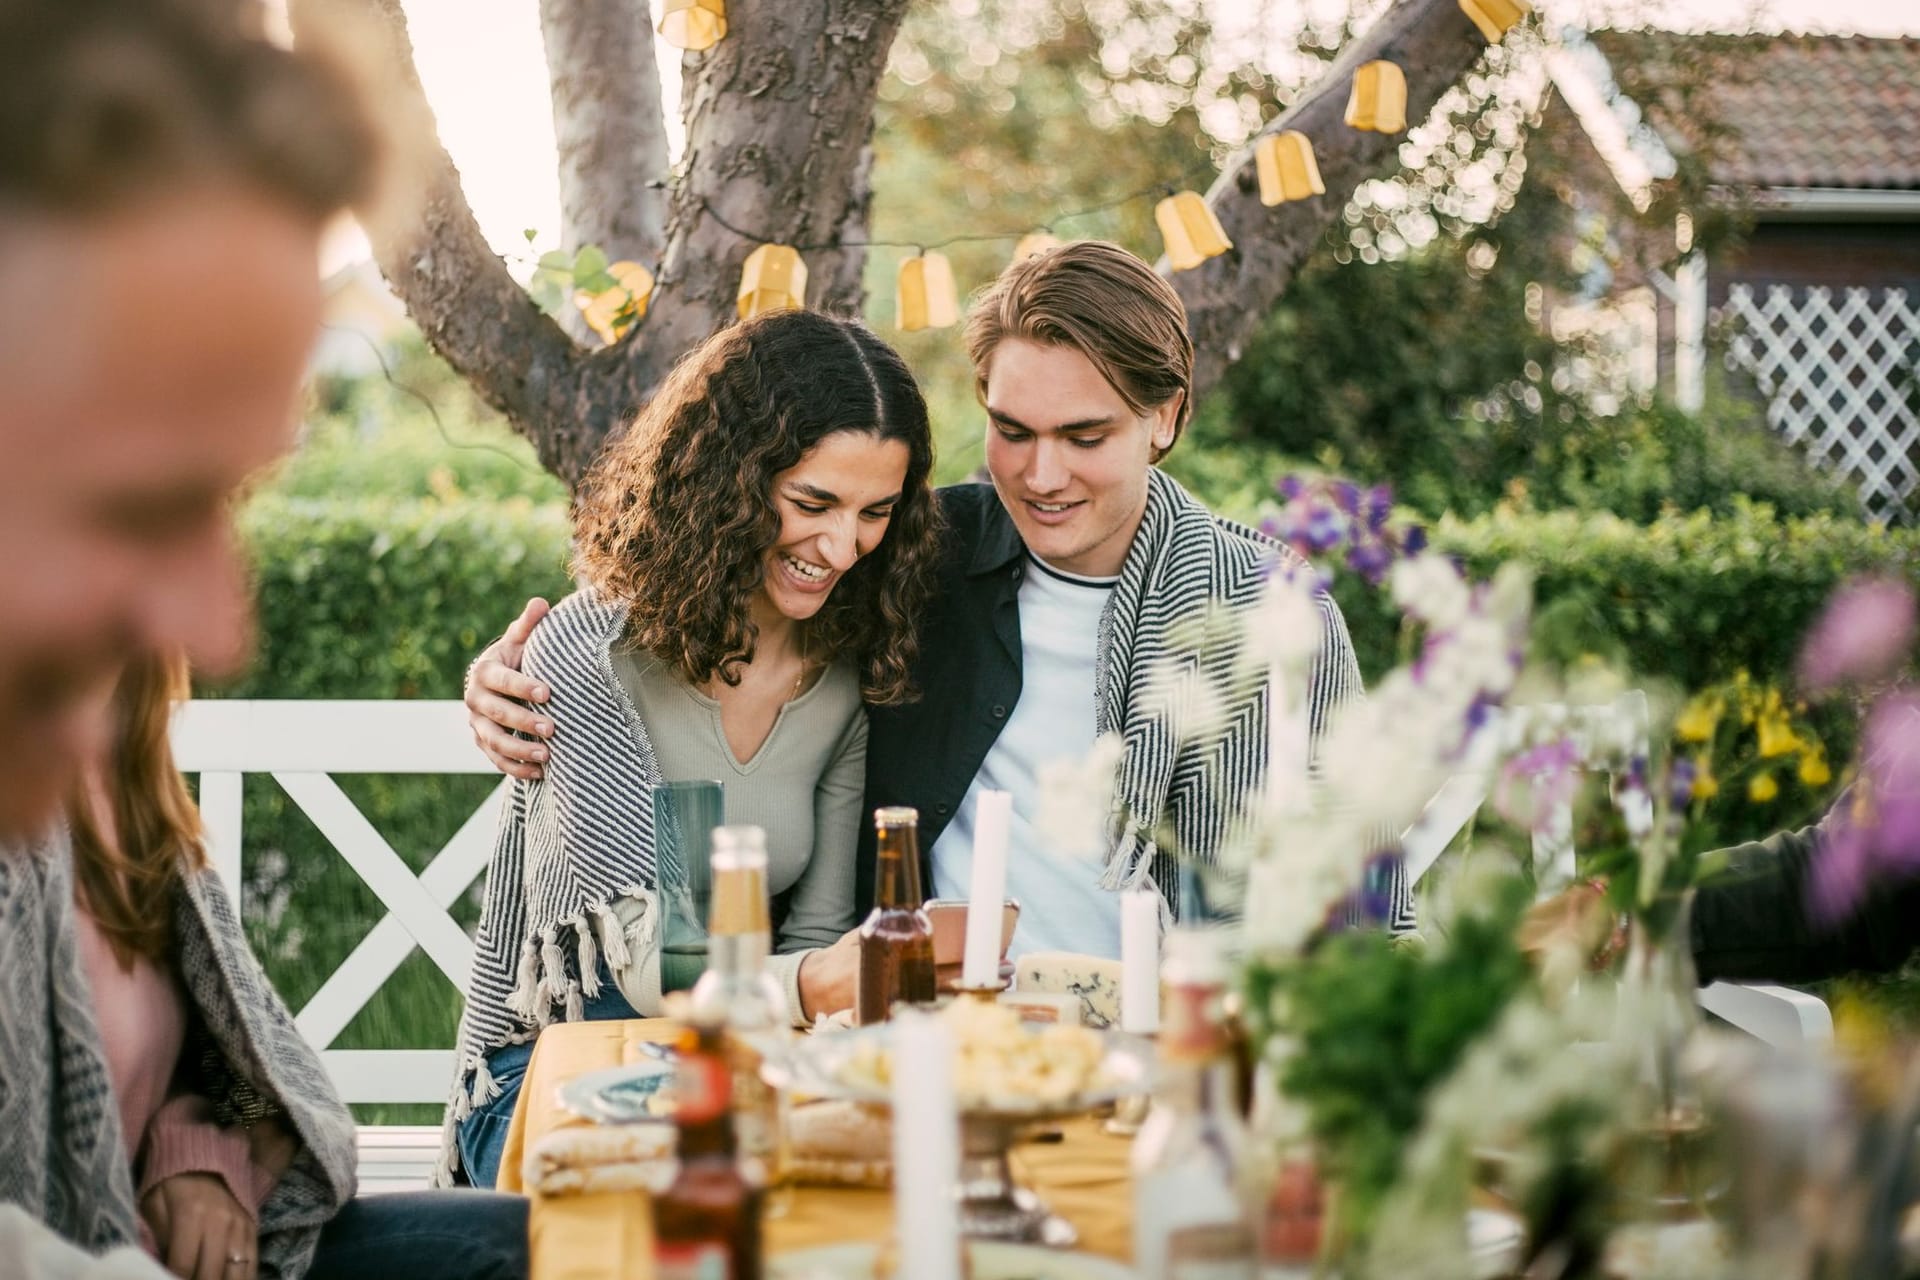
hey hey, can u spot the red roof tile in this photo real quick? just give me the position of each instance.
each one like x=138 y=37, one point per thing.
x=1802 y=111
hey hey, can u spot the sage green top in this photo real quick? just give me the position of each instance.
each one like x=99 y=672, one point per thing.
x=804 y=787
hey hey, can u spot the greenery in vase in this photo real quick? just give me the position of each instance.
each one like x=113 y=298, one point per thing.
x=1375 y=1025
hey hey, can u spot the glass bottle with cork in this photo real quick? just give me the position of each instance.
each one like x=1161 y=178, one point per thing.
x=737 y=994
x=1190 y=1196
x=707 y=1223
x=896 y=940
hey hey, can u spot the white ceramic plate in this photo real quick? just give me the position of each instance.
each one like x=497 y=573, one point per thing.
x=990 y=1262
x=621 y=1095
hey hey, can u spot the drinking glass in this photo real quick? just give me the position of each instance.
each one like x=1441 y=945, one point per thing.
x=684 y=816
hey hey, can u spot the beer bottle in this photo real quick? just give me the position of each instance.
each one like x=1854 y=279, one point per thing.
x=896 y=942
x=736 y=991
x=1190 y=1195
x=706 y=1225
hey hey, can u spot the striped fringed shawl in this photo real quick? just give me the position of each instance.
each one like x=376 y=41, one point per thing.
x=1184 y=562
x=570 y=847
x=63 y=1158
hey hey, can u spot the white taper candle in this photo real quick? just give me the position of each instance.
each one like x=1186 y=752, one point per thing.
x=1286 y=747
x=926 y=1147
x=987 y=891
x=1140 y=962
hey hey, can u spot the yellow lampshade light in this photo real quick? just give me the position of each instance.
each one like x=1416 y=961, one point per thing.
x=927 y=298
x=1379 y=99
x=603 y=310
x=1034 y=242
x=1286 y=167
x=773 y=279
x=694 y=24
x=1495 y=17
x=1191 y=232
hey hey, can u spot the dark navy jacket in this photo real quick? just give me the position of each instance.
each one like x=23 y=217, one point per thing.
x=925 y=753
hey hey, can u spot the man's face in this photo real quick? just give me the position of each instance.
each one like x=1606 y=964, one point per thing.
x=1068 y=457
x=148 y=365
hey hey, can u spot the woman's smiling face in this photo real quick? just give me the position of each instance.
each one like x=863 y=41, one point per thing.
x=835 y=505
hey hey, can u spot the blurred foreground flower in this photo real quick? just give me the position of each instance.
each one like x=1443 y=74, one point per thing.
x=1874 y=831
x=1865 y=634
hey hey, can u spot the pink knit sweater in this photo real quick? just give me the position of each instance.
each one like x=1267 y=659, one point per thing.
x=143 y=1020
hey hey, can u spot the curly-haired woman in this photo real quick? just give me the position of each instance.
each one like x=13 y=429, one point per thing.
x=751 y=554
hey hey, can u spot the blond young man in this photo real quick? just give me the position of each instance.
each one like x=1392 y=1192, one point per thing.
x=1058 y=589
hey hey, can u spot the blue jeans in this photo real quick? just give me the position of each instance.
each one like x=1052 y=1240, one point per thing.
x=482 y=1136
x=418 y=1235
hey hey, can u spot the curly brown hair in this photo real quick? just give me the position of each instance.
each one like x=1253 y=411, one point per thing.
x=676 y=516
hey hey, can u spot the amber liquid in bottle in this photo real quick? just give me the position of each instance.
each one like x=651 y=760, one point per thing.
x=706 y=1226
x=896 y=942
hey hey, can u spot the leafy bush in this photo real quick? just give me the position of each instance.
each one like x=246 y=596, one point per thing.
x=1687 y=597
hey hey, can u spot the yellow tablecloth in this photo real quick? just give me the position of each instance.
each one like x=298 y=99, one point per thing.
x=609 y=1237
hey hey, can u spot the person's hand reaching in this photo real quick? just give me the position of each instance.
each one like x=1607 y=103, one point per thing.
x=498 y=698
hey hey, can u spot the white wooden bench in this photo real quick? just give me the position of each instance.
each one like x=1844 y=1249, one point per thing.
x=299 y=744
x=1777 y=1015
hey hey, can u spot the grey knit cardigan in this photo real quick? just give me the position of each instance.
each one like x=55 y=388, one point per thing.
x=62 y=1155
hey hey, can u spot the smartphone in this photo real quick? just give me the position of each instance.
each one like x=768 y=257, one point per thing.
x=949 y=919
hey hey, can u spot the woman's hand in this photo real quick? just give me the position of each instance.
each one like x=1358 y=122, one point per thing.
x=203 y=1232
x=830 y=976
x=495 y=693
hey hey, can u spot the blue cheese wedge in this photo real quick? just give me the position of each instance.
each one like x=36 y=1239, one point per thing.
x=1093 y=981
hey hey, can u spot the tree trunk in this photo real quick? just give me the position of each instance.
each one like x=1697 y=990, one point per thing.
x=779 y=125
x=1227 y=297
x=608 y=128
x=779 y=120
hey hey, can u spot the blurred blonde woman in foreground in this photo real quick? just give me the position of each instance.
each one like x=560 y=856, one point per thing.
x=237 y=1152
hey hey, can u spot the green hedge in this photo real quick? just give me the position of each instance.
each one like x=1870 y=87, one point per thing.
x=1688 y=598
x=390 y=598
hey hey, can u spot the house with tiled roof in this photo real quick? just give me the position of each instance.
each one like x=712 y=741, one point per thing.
x=1816 y=309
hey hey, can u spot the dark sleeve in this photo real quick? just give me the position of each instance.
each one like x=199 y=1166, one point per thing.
x=1752 y=922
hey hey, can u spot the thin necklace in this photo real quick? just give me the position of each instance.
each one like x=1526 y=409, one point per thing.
x=800 y=645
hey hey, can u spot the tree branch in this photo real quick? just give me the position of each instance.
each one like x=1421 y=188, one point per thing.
x=608 y=126
x=1228 y=297
x=467 y=304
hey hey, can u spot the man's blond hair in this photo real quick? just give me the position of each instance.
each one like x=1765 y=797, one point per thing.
x=1103 y=302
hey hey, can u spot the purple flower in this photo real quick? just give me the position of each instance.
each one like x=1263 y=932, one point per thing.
x=1346 y=496
x=1324 y=528
x=1864 y=634
x=1370 y=905
x=1537 y=783
x=1875 y=832
x=1680 y=782
x=1379 y=507
x=1415 y=541
x=1370 y=560
x=1290 y=487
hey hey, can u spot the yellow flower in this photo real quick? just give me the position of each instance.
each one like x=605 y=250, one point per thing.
x=1699 y=720
x=1705 y=785
x=1763 y=788
x=1813 y=769
x=1776 y=735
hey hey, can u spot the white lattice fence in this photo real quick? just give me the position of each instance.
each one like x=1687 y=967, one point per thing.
x=1838 y=375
